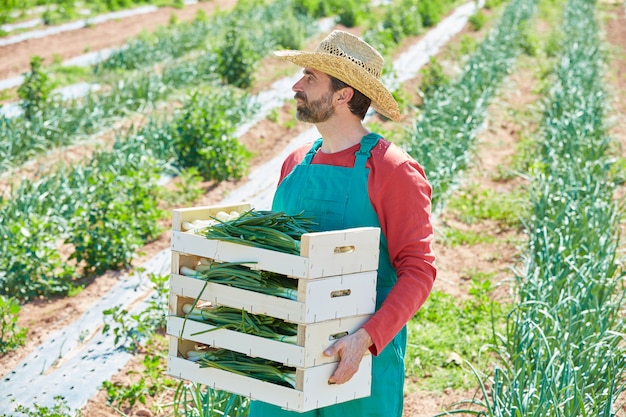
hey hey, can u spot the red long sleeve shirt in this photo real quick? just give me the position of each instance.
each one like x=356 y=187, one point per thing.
x=401 y=196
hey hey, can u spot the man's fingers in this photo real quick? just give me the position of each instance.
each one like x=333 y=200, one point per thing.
x=331 y=351
x=350 y=350
x=344 y=372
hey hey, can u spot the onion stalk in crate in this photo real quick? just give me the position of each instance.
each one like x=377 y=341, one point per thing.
x=241 y=364
x=240 y=320
x=273 y=230
x=236 y=274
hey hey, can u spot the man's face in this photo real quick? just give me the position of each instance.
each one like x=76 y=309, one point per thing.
x=314 y=98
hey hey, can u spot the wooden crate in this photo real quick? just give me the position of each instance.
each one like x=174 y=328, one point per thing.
x=322 y=254
x=336 y=273
x=318 y=300
x=312 y=389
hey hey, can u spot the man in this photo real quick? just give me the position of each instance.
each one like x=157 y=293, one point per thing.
x=354 y=178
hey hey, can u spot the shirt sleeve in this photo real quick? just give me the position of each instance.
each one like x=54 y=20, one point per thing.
x=402 y=200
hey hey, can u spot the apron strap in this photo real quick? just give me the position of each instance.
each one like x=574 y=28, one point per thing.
x=365 y=151
x=311 y=153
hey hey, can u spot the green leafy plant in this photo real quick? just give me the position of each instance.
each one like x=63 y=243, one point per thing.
x=349 y=14
x=490 y=4
x=31 y=267
x=116 y=220
x=132 y=330
x=11 y=336
x=472 y=204
x=35 y=90
x=433 y=77
x=430 y=11
x=477 y=20
x=202 y=134
x=529 y=42
x=452 y=236
x=236 y=59
x=196 y=400
x=437 y=356
x=64 y=11
x=152 y=380
x=59 y=409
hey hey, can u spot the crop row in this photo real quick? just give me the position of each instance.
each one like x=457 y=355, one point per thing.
x=562 y=352
x=443 y=135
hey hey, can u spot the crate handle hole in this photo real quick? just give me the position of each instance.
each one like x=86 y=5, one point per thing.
x=337 y=335
x=340 y=293
x=344 y=249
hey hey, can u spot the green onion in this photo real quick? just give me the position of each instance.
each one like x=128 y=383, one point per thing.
x=240 y=320
x=235 y=274
x=238 y=363
x=263 y=229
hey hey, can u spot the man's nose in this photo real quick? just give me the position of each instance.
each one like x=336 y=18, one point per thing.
x=296 y=87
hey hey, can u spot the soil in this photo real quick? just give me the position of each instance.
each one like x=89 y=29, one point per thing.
x=266 y=139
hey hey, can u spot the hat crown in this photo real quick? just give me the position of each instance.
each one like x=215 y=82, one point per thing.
x=346 y=45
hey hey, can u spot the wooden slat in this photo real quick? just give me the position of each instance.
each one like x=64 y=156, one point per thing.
x=324 y=302
x=267 y=260
x=341 y=252
x=315 y=393
x=181 y=215
x=318 y=393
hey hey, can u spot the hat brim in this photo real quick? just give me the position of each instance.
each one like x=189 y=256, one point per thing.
x=350 y=73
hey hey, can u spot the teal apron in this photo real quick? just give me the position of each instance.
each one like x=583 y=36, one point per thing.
x=337 y=198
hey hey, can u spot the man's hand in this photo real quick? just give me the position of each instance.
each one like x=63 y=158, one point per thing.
x=350 y=349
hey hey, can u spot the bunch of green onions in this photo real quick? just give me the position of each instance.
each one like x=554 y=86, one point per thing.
x=236 y=274
x=238 y=363
x=240 y=320
x=273 y=230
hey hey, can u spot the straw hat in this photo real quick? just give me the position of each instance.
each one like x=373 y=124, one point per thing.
x=353 y=61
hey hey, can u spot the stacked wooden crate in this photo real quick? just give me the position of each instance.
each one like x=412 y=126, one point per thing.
x=336 y=273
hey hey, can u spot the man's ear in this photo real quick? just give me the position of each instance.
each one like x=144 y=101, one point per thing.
x=344 y=95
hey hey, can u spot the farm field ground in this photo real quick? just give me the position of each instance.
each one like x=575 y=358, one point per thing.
x=512 y=117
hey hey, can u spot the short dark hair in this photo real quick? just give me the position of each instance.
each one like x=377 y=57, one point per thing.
x=359 y=104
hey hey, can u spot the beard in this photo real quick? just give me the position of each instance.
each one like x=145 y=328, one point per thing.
x=316 y=111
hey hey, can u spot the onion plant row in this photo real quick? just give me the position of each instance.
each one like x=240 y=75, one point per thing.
x=442 y=136
x=563 y=351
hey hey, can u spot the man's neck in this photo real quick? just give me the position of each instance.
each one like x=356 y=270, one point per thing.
x=339 y=135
